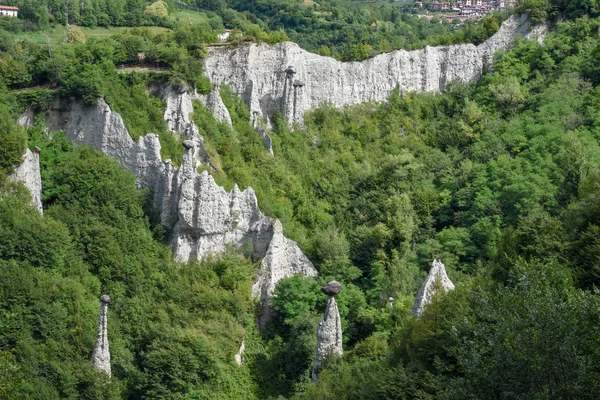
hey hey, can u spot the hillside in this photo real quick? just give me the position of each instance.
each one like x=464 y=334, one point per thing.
x=157 y=190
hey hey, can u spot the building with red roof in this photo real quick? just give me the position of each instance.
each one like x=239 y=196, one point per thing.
x=8 y=11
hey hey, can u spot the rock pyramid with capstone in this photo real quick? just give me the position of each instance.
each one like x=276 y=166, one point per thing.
x=329 y=334
x=101 y=354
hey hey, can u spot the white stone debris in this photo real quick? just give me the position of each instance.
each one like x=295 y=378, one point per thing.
x=437 y=276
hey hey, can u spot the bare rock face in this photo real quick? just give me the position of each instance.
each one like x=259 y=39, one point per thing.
x=209 y=217
x=214 y=103
x=286 y=78
x=239 y=356
x=100 y=127
x=101 y=354
x=205 y=217
x=283 y=258
x=178 y=115
x=329 y=334
x=28 y=172
x=437 y=278
x=179 y=107
x=27 y=119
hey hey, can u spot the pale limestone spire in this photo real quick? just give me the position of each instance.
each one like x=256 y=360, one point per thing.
x=101 y=355
x=28 y=172
x=428 y=290
x=329 y=334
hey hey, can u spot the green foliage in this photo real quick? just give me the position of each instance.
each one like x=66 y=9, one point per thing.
x=85 y=83
x=500 y=179
x=75 y=35
x=351 y=31
x=12 y=140
x=157 y=9
x=173 y=328
x=546 y=328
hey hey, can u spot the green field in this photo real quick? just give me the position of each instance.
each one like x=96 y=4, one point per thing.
x=189 y=17
x=57 y=34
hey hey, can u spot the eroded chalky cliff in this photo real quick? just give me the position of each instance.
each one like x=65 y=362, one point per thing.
x=437 y=280
x=205 y=217
x=28 y=172
x=286 y=78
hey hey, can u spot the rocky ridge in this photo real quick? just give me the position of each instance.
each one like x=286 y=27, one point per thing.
x=286 y=78
x=205 y=217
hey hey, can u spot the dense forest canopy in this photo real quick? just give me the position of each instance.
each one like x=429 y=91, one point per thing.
x=499 y=178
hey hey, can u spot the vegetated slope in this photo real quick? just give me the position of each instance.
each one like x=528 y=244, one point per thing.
x=500 y=179
x=482 y=176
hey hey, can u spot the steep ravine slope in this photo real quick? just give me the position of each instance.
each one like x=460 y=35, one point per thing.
x=286 y=78
x=205 y=217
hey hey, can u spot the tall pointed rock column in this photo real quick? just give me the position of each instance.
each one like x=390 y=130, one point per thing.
x=437 y=279
x=101 y=355
x=329 y=334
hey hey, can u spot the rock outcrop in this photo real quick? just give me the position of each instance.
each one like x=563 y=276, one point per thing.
x=100 y=127
x=286 y=78
x=209 y=217
x=28 y=172
x=283 y=258
x=205 y=217
x=329 y=334
x=179 y=107
x=27 y=119
x=436 y=280
x=101 y=354
x=239 y=356
x=178 y=115
x=214 y=103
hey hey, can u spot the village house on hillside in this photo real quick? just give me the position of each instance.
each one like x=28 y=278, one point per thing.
x=8 y=11
x=466 y=8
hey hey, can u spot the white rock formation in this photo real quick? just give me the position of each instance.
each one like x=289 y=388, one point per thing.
x=205 y=217
x=101 y=354
x=179 y=107
x=214 y=103
x=239 y=356
x=286 y=78
x=283 y=258
x=209 y=218
x=27 y=119
x=329 y=334
x=104 y=130
x=28 y=172
x=178 y=115
x=437 y=278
